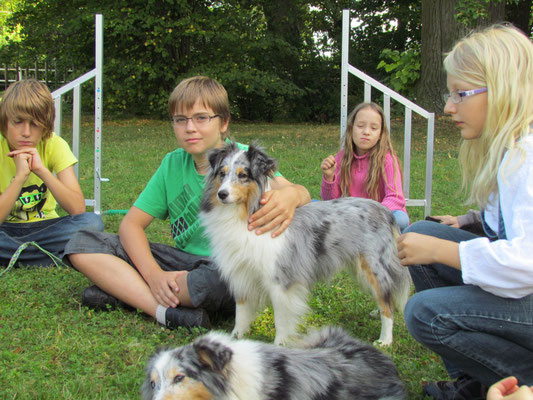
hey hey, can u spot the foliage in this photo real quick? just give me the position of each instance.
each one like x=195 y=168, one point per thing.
x=403 y=69
x=261 y=51
x=7 y=8
x=468 y=12
x=54 y=348
x=278 y=60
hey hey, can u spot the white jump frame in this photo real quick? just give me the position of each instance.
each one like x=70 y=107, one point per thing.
x=75 y=87
x=409 y=106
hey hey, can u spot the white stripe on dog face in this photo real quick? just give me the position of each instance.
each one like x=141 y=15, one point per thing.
x=233 y=166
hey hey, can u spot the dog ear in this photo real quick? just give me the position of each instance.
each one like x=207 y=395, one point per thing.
x=215 y=156
x=212 y=354
x=260 y=162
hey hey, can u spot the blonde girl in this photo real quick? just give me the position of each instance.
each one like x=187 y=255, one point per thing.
x=474 y=305
x=366 y=166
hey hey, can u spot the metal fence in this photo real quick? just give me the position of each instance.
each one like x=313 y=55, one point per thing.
x=42 y=71
x=75 y=87
x=409 y=107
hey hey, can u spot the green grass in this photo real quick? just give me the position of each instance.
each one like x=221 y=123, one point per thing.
x=51 y=347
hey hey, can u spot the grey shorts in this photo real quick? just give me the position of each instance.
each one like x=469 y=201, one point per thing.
x=206 y=288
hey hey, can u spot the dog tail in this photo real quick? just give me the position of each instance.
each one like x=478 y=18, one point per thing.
x=326 y=338
x=402 y=280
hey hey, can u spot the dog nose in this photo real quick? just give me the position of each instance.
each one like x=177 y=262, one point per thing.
x=223 y=194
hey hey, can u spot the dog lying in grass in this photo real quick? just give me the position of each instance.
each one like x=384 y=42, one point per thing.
x=355 y=234
x=328 y=364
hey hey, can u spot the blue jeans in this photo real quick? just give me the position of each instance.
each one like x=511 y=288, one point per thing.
x=51 y=234
x=475 y=332
x=402 y=219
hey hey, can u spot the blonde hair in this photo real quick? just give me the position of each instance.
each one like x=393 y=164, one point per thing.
x=500 y=58
x=28 y=100
x=204 y=89
x=377 y=155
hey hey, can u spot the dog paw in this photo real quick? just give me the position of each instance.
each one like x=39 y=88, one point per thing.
x=237 y=334
x=382 y=343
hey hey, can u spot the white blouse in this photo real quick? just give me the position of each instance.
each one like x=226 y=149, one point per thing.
x=505 y=267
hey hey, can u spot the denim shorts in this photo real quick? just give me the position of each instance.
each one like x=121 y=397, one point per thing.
x=206 y=288
x=50 y=234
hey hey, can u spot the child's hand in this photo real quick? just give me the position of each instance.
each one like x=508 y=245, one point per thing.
x=448 y=220
x=277 y=211
x=22 y=162
x=164 y=287
x=328 y=167
x=508 y=389
x=32 y=155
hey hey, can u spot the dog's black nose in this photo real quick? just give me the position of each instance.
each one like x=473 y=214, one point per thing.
x=223 y=194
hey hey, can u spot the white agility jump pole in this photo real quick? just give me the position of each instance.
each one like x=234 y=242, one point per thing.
x=75 y=87
x=409 y=107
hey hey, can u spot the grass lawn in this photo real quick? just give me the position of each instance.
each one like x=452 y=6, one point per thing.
x=51 y=347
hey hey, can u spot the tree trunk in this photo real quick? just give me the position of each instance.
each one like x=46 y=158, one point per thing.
x=440 y=31
x=519 y=14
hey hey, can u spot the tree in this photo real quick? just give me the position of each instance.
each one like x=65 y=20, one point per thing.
x=263 y=51
x=443 y=23
x=520 y=13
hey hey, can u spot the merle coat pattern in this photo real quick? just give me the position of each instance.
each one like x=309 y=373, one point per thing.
x=355 y=234
x=328 y=364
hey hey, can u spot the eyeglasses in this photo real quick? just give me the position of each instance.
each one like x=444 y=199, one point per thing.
x=457 y=96
x=198 y=119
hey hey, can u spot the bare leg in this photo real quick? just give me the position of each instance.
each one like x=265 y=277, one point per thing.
x=121 y=280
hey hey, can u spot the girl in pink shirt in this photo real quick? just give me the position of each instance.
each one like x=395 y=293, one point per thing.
x=366 y=166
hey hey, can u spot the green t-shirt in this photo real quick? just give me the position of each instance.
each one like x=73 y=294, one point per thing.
x=175 y=191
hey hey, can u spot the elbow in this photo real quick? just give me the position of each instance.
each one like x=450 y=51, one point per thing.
x=78 y=208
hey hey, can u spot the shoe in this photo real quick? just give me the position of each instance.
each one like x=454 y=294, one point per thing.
x=463 y=388
x=96 y=299
x=187 y=317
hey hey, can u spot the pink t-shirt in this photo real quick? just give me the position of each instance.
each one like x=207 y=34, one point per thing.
x=390 y=194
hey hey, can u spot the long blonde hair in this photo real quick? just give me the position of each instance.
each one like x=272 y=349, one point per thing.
x=377 y=155
x=500 y=58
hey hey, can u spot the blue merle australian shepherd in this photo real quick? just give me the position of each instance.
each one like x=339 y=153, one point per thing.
x=324 y=237
x=328 y=364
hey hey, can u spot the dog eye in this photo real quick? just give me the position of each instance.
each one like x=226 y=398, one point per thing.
x=222 y=174
x=243 y=175
x=178 y=378
x=152 y=385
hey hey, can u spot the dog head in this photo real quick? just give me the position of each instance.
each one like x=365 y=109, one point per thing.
x=237 y=177
x=192 y=372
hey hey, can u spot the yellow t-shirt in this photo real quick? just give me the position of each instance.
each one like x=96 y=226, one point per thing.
x=35 y=201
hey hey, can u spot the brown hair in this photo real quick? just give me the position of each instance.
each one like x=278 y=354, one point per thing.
x=204 y=89
x=28 y=100
x=377 y=154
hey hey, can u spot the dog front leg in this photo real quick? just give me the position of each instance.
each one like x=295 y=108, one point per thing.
x=289 y=306
x=245 y=312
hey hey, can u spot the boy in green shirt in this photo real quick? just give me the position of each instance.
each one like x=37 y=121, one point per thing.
x=176 y=285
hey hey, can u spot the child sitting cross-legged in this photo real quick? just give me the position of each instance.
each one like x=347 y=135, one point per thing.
x=176 y=285
x=36 y=174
